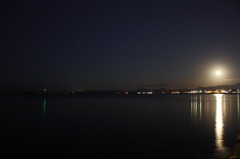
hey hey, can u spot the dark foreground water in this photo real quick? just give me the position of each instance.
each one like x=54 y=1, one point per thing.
x=154 y=126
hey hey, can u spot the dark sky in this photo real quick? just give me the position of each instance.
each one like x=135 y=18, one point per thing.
x=117 y=44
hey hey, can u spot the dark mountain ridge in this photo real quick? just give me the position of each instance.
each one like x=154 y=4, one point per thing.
x=234 y=86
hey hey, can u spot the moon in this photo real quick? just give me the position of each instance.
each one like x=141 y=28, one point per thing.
x=218 y=73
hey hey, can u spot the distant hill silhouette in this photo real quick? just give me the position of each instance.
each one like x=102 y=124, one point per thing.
x=234 y=86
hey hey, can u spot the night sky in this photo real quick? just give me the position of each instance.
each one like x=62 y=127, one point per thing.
x=117 y=44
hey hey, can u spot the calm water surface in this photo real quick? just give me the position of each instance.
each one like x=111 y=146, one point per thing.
x=154 y=126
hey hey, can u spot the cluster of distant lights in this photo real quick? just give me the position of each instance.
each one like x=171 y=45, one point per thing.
x=173 y=92
x=211 y=91
x=144 y=92
x=215 y=91
x=191 y=92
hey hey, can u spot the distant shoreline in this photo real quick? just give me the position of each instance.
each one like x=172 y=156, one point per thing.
x=146 y=93
x=219 y=89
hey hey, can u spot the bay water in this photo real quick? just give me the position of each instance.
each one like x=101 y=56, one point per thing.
x=201 y=126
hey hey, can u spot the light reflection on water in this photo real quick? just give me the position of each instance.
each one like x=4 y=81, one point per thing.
x=221 y=150
x=44 y=106
x=196 y=108
x=202 y=107
x=238 y=107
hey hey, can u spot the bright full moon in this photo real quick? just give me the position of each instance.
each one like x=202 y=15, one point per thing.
x=218 y=73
